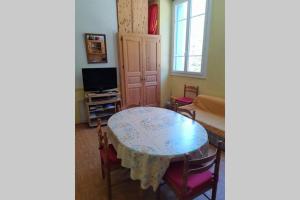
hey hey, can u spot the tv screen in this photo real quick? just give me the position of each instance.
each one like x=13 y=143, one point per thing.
x=99 y=79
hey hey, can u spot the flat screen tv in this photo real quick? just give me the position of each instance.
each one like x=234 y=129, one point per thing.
x=99 y=79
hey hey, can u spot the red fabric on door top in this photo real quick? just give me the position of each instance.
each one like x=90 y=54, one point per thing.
x=152 y=19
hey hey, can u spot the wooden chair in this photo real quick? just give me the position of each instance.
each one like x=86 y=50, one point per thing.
x=118 y=106
x=188 y=113
x=108 y=157
x=190 y=92
x=193 y=177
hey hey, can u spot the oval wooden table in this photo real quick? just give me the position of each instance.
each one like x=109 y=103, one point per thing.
x=147 y=138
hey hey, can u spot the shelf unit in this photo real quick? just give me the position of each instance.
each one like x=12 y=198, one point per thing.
x=101 y=106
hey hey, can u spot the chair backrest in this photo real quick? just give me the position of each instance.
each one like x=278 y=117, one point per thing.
x=103 y=142
x=102 y=137
x=196 y=166
x=118 y=106
x=191 y=91
x=188 y=113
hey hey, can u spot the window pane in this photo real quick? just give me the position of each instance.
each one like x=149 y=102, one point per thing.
x=179 y=64
x=196 y=35
x=181 y=11
x=194 y=64
x=198 y=7
x=180 y=38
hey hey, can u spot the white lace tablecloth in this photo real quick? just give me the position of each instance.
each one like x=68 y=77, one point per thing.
x=147 y=138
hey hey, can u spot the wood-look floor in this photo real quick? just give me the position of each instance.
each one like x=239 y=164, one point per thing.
x=90 y=186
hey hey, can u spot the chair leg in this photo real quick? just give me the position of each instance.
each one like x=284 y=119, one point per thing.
x=102 y=170
x=141 y=194
x=158 y=193
x=108 y=184
x=214 y=193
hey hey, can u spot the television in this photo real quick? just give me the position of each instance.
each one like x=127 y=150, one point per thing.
x=99 y=79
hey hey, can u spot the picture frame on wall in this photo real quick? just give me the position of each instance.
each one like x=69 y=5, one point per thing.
x=96 y=50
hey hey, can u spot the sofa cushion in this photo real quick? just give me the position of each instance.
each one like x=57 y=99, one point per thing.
x=213 y=122
x=214 y=105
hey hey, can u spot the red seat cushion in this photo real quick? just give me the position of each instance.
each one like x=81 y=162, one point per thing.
x=112 y=155
x=184 y=100
x=195 y=182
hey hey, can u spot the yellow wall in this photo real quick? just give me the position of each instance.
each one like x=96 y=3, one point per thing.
x=214 y=84
x=165 y=14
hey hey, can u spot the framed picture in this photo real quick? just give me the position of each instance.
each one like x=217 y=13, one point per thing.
x=95 y=45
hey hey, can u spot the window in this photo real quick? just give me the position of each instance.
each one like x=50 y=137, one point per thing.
x=190 y=27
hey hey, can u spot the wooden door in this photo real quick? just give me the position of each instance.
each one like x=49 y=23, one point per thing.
x=151 y=70
x=132 y=53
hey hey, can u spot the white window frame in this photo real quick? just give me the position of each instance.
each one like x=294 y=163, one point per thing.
x=203 y=72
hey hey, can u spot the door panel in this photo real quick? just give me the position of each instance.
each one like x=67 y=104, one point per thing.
x=133 y=55
x=140 y=69
x=151 y=95
x=152 y=71
x=133 y=71
x=134 y=95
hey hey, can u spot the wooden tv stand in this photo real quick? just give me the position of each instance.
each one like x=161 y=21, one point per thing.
x=101 y=106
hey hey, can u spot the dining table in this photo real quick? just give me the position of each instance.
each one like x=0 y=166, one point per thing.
x=147 y=139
